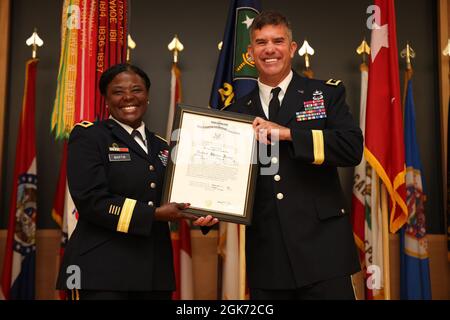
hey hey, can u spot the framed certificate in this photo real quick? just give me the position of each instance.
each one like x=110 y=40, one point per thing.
x=212 y=163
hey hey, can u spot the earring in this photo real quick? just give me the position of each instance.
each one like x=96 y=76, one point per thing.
x=148 y=101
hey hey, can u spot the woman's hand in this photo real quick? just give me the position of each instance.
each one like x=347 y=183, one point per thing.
x=173 y=211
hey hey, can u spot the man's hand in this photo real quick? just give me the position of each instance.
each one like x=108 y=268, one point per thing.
x=207 y=221
x=267 y=132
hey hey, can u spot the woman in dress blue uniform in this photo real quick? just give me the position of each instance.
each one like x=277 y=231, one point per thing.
x=121 y=247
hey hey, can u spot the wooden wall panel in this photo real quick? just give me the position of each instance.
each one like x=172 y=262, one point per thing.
x=444 y=84
x=5 y=9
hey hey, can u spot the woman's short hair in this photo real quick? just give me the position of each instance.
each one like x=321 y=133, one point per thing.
x=109 y=74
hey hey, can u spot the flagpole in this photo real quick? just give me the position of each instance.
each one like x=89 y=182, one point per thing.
x=176 y=47
x=408 y=53
x=131 y=46
x=385 y=232
x=306 y=51
x=360 y=176
x=364 y=51
x=242 y=274
x=34 y=42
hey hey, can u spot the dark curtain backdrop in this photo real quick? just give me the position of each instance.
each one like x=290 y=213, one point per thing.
x=333 y=28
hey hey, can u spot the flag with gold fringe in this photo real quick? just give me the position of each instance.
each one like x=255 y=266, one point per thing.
x=415 y=281
x=384 y=147
x=384 y=143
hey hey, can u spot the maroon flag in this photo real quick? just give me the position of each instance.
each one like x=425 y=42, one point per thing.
x=18 y=277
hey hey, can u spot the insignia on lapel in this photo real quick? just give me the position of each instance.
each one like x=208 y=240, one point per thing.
x=84 y=124
x=163 y=156
x=333 y=82
x=249 y=103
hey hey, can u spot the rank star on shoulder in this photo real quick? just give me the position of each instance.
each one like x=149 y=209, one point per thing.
x=248 y=21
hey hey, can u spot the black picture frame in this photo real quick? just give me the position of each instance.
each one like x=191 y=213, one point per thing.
x=243 y=217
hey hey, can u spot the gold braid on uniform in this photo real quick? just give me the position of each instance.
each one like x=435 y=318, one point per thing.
x=125 y=215
x=319 y=149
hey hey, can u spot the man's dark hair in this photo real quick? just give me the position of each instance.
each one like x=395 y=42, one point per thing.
x=109 y=74
x=272 y=18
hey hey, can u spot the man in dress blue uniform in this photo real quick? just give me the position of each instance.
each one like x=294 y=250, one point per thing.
x=300 y=244
x=121 y=245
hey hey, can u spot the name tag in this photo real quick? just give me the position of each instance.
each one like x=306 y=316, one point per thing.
x=119 y=157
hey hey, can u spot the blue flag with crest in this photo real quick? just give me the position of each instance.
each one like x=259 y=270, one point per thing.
x=236 y=73
x=414 y=262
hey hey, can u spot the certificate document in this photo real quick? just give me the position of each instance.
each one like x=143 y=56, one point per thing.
x=212 y=164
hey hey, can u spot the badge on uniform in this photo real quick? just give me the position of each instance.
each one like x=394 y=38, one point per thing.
x=115 y=148
x=163 y=156
x=314 y=109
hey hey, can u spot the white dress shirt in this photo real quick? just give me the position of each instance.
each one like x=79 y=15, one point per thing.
x=141 y=130
x=265 y=93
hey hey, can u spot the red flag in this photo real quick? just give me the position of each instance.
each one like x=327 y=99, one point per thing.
x=384 y=149
x=18 y=277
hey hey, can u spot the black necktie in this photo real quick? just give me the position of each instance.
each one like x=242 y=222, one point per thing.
x=274 y=104
x=136 y=133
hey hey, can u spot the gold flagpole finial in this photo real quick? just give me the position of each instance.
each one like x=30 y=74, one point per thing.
x=220 y=45
x=176 y=47
x=363 y=50
x=306 y=50
x=408 y=53
x=446 y=51
x=131 y=46
x=34 y=41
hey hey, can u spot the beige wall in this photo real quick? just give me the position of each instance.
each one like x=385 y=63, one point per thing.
x=204 y=251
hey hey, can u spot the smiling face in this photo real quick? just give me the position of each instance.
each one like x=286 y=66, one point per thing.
x=127 y=98
x=272 y=49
